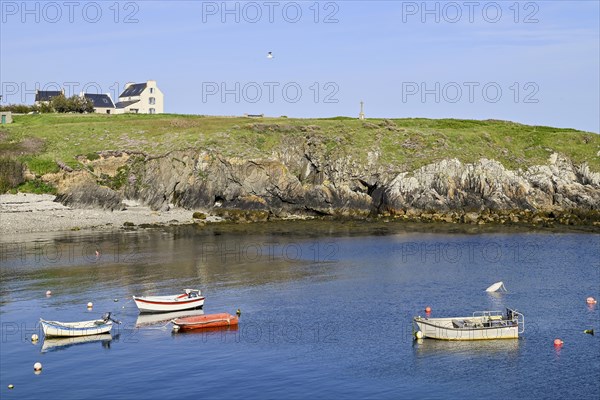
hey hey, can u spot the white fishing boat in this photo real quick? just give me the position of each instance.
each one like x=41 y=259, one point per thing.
x=482 y=325
x=80 y=328
x=189 y=300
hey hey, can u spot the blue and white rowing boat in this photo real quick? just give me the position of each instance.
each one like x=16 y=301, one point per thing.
x=81 y=328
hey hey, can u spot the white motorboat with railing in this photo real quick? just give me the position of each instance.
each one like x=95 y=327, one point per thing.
x=483 y=325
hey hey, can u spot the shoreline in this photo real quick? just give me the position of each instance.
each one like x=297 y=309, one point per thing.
x=38 y=213
x=25 y=213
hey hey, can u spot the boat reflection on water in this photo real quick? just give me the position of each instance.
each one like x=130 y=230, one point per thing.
x=496 y=300
x=217 y=331
x=62 y=343
x=164 y=318
x=432 y=347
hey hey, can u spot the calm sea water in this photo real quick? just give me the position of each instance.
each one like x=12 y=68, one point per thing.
x=326 y=313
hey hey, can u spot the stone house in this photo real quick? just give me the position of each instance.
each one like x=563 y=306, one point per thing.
x=141 y=98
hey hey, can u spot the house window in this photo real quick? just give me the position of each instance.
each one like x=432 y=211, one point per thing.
x=152 y=111
x=152 y=100
x=151 y=90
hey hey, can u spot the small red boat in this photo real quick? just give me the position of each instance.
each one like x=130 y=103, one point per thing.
x=205 y=321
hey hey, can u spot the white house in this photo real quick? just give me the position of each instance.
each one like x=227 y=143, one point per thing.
x=140 y=98
x=44 y=96
x=103 y=104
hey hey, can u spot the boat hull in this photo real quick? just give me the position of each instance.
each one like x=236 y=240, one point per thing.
x=445 y=329
x=158 y=304
x=205 y=321
x=72 y=329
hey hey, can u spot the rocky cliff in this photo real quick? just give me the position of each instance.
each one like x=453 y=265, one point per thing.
x=301 y=179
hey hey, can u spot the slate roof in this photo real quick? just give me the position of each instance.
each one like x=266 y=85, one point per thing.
x=123 y=104
x=134 y=90
x=100 y=100
x=46 y=95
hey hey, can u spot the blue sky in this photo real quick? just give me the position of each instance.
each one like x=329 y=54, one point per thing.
x=530 y=62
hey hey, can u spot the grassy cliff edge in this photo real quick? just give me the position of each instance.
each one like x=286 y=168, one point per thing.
x=39 y=141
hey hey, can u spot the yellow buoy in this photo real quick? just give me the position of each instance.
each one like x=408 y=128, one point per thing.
x=419 y=335
x=11 y=386
x=90 y=305
x=49 y=293
x=238 y=312
x=34 y=337
x=37 y=366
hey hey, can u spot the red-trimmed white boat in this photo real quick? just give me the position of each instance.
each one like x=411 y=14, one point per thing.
x=191 y=299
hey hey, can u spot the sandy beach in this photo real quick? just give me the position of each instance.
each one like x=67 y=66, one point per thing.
x=25 y=213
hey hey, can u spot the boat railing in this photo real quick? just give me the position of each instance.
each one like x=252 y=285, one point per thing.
x=520 y=318
x=511 y=315
x=487 y=314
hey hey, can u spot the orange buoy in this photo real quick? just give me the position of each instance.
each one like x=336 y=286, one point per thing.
x=591 y=300
x=558 y=342
x=427 y=309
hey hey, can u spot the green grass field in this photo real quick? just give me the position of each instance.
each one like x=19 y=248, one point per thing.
x=41 y=140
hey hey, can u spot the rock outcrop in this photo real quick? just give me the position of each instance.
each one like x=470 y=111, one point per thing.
x=452 y=185
x=302 y=179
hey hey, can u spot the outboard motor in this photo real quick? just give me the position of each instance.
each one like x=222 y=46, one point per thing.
x=509 y=314
x=106 y=317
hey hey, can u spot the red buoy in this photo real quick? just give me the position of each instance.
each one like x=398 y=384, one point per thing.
x=428 y=309
x=558 y=342
x=591 y=300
